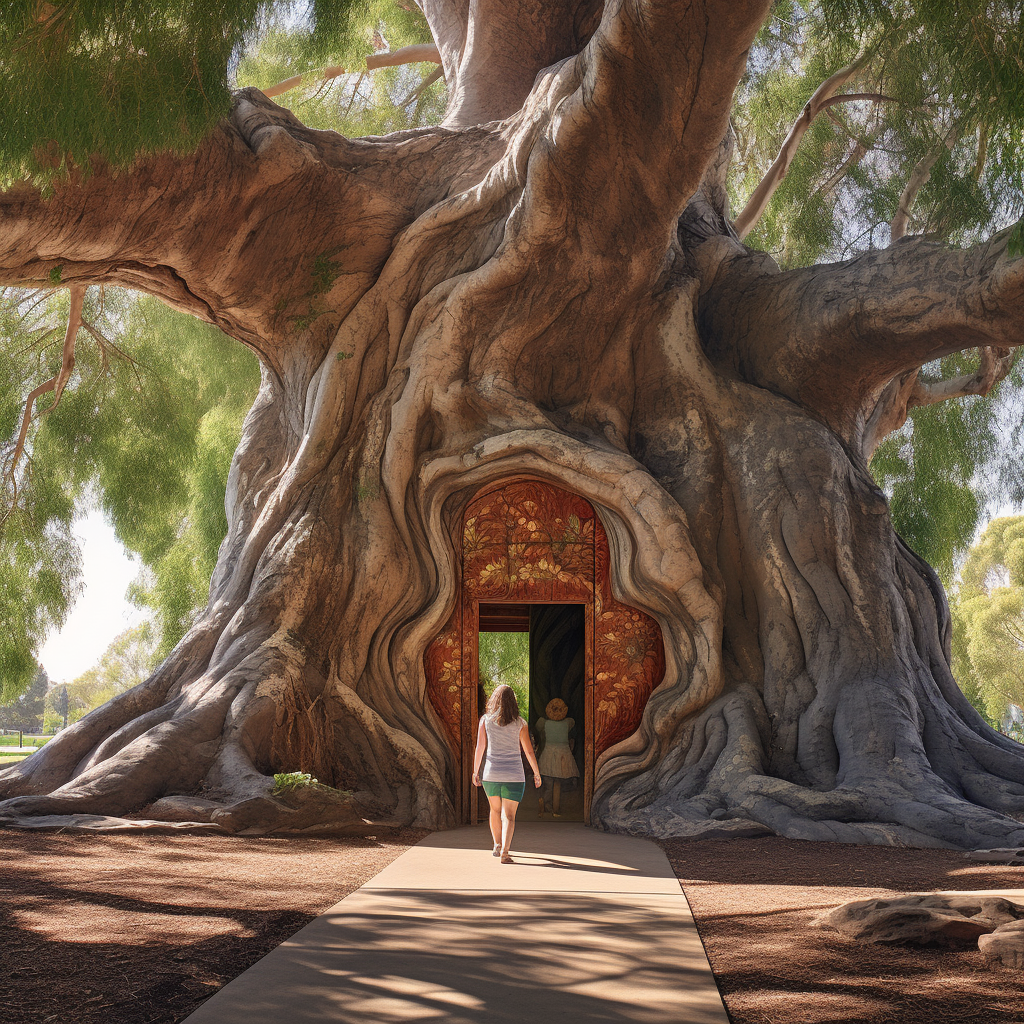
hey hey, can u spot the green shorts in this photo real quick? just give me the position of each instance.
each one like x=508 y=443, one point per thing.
x=506 y=790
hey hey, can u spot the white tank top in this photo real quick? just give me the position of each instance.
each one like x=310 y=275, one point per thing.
x=503 y=763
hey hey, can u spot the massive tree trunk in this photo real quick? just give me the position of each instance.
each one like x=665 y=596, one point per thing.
x=547 y=286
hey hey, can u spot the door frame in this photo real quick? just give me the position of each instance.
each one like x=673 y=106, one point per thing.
x=469 y=801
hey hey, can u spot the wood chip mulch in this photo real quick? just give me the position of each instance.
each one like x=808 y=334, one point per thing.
x=140 y=929
x=754 y=901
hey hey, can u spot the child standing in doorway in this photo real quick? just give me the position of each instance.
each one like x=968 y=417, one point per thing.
x=557 y=763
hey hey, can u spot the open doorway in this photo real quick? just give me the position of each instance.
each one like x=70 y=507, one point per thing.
x=539 y=651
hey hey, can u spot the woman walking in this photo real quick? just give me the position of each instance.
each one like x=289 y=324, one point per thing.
x=502 y=733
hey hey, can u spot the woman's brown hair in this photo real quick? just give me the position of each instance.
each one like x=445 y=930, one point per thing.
x=502 y=705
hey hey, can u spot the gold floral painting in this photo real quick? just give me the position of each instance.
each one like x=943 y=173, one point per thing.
x=530 y=542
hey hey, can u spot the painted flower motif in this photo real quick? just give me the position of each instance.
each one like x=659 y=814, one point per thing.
x=495 y=572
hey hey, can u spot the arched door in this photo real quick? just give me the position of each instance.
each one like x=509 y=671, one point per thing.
x=531 y=543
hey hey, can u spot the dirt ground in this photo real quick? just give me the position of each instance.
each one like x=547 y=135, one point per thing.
x=754 y=899
x=140 y=929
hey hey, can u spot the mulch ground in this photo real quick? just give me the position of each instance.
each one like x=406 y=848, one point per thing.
x=140 y=929
x=754 y=901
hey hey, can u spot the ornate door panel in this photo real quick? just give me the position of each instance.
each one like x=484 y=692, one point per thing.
x=532 y=543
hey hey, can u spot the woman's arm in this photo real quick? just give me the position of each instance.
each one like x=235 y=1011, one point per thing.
x=478 y=756
x=524 y=741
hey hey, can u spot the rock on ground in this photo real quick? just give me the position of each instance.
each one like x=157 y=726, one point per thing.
x=1005 y=945
x=922 y=919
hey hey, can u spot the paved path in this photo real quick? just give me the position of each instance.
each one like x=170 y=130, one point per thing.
x=584 y=927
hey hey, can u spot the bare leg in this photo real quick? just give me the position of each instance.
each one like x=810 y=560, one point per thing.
x=494 y=819
x=508 y=826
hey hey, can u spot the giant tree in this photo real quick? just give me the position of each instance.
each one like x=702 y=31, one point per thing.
x=547 y=285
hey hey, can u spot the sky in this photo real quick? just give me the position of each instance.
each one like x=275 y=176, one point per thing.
x=101 y=611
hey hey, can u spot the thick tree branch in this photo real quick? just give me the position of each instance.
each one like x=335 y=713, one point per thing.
x=832 y=337
x=824 y=97
x=245 y=232
x=492 y=50
x=639 y=116
x=420 y=53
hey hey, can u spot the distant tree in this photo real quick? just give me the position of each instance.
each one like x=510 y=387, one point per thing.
x=125 y=663
x=988 y=621
x=26 y=711
x=505 y=658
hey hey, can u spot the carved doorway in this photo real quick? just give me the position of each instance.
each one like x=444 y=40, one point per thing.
x=532 y=544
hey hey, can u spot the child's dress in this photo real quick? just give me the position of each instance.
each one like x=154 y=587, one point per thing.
x=556 y=760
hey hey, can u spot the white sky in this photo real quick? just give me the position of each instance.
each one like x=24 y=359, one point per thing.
x=101 y=612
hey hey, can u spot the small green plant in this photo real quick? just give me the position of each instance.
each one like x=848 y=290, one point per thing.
x=285 y=781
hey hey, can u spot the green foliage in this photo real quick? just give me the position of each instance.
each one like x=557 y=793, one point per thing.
x=952 y=463
x=505 y=658
x=948 y=78
x=26 y=710
x=146 y=429
x=285 y=782
x=988 y=617
x=124 y=77
x=358 y=103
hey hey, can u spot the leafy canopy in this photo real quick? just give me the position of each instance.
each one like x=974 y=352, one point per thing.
x=116 y=78
x=988 y=616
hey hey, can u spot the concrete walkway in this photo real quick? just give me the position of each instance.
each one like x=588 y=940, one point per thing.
x=583 y=927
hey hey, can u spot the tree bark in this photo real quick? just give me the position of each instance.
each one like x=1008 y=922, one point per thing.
x=545 y=287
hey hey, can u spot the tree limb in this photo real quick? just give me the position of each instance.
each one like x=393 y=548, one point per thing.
x=420 y=53
x=854 y=157
x=994 y=363
x=919 y=177
x=638 y=117
x=909 y=391
x=833 y=337
x=230 y=232
x=824 y=97
x=434 y=76
x=58 y=382
x=492 y=50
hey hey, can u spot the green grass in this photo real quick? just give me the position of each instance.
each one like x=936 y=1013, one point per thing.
x=29 y=741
